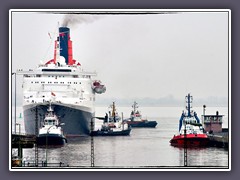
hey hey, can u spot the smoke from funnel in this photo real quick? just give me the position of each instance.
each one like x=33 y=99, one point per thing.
x=71 y=20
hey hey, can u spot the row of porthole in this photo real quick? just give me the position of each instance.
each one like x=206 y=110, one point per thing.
x=36 y=82
x=56 y=76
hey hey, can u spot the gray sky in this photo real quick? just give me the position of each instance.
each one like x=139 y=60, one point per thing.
x=136 y=56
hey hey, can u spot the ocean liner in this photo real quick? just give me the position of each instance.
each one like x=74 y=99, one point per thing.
x=62 y=82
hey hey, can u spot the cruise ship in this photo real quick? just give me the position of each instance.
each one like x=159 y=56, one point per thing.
x=62 y=82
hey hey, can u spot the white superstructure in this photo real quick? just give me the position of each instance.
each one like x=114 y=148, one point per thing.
x=63 y=84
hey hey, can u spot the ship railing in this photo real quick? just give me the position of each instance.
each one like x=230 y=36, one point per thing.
x=26 y=72
x=20 y=134
x=213 y=120
x=23 y=134
x=43 y=164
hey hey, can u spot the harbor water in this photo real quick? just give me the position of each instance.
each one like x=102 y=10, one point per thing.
x=145 y=147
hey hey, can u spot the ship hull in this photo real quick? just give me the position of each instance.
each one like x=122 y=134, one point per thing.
x=111 y=133
x=51 y=140
x=142 y=124
x=192 y=140
x=76 y=118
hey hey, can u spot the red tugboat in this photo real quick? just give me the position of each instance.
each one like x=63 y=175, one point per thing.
x=190 y=129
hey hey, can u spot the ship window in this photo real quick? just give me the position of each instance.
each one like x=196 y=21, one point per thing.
x=57 y=70
x=31 y=82
x=50 y=122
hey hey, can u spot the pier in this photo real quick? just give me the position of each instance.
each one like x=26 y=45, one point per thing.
x=218 y=136
x=21 y=141
x=219 y=139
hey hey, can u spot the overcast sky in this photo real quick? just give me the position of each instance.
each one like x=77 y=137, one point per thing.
x=135 y=56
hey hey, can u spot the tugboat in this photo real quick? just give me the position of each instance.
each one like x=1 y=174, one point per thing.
x=112 y=125
x=191 y=132
x=136 y=119
x=51 y=134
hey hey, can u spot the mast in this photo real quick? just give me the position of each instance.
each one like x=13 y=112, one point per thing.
x=182 y=121
x=189 y=101
x=134 y=108
x=113 y=110
x=57 y=56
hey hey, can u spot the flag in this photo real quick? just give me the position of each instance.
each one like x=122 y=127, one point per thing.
x=53 y=94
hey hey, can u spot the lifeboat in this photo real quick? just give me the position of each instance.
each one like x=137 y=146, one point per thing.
x=98 y=87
